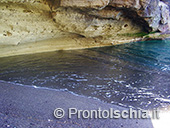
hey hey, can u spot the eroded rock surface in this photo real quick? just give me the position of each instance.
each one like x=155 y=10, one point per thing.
x=102 y=22
x=25 y=22
x=96 y=4
x=75 y=21
x=153 y=13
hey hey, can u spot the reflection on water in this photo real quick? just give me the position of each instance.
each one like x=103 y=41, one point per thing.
x=135 y=74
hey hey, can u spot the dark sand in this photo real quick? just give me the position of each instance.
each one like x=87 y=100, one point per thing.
x=28 y=107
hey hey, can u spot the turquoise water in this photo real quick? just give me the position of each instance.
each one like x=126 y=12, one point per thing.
x=132 y=75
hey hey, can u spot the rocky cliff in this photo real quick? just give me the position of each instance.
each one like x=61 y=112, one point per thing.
x=151 y=15
x=31 y=26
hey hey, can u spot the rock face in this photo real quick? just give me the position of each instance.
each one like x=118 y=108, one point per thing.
x=103 y=22
x=26 y=22
x=96 y=4
x=154 y=14
x=75 y=21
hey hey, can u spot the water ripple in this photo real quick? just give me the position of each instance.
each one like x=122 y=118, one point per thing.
x=134 y=75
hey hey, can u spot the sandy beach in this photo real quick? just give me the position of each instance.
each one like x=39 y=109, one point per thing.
x=28 y=107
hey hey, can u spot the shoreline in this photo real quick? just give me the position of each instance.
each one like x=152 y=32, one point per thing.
x=62 y=43
x=22 y=106
x=52 y=45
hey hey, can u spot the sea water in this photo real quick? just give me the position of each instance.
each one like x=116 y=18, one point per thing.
x=132 y=75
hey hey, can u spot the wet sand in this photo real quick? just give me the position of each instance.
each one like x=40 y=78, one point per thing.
x=28 y=107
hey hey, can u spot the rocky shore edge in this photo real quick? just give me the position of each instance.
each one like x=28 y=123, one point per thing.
x=34 y=26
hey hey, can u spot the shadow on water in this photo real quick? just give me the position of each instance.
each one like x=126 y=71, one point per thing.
x=135 y=74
